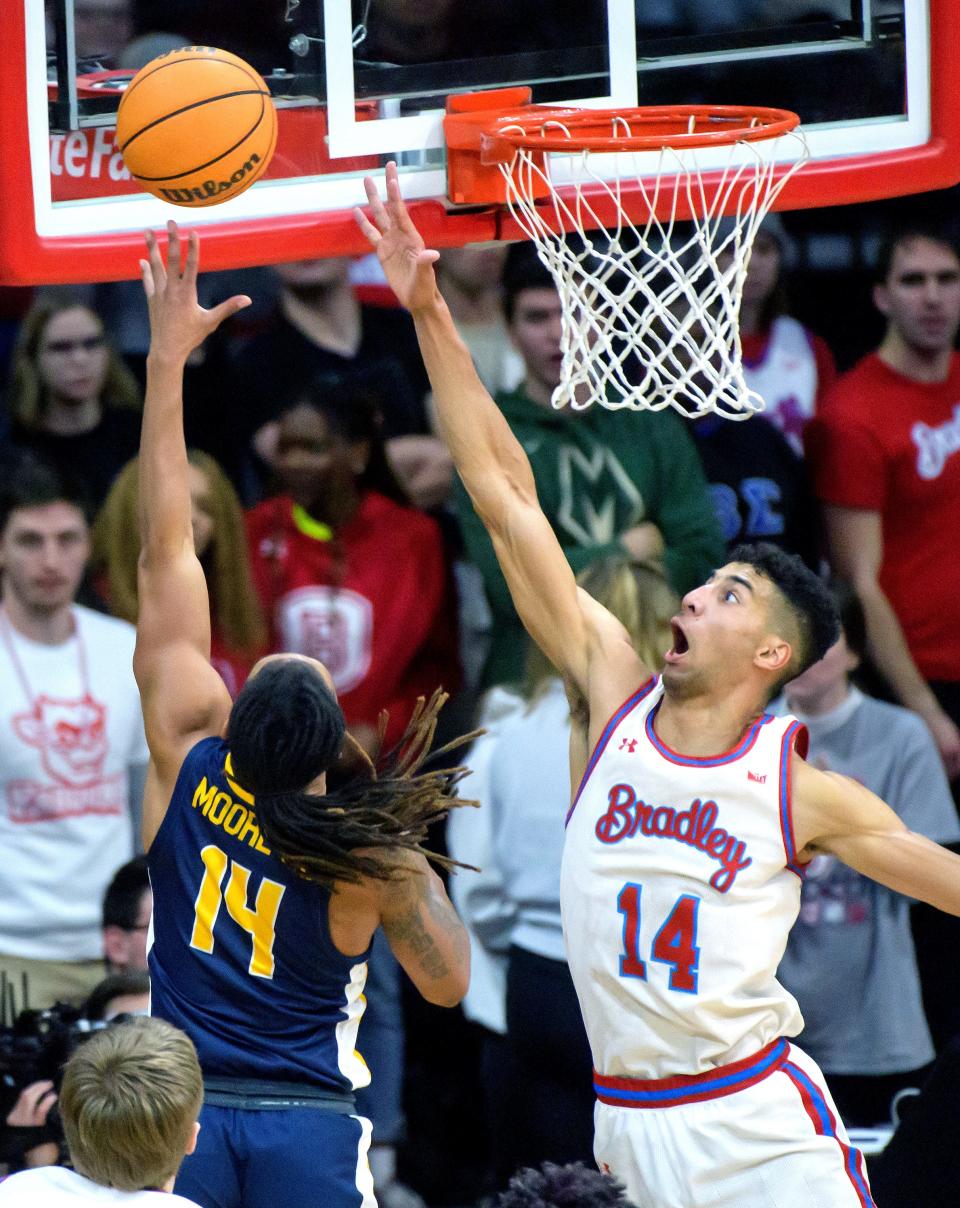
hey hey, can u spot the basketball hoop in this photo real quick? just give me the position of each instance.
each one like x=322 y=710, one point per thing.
x=663 y=204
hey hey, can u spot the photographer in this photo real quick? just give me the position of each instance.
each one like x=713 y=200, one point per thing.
x=129 y=1105
x=26 y=1135
x=33 y=1052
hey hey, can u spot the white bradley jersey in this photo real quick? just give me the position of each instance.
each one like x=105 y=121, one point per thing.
x=678 y=889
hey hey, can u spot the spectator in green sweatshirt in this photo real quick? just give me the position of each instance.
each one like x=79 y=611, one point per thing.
x=608 y=481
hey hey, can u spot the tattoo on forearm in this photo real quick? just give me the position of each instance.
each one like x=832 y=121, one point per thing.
x=411 y=930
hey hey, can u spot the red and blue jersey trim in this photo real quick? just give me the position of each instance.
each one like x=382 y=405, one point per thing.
x=706 y=761
x=825 y=1124
x=794 y=738
x=628 y=706
x=692 y=1088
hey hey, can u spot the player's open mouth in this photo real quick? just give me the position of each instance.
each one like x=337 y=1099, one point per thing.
x=680 y=643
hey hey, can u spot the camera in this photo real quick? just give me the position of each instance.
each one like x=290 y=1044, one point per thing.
x=37 y=1045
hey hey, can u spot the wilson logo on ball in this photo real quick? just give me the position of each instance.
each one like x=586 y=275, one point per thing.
x=210 y=190
x=197 y=126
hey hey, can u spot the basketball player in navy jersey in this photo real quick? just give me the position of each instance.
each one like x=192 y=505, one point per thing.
x=267 y=888
x=693 y=816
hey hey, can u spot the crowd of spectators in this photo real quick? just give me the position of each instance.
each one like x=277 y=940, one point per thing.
x=329 y=522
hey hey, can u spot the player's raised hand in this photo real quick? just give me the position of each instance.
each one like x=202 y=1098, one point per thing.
x=178 y=323
x=407 y=262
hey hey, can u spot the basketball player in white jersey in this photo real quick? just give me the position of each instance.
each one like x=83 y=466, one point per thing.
x=687 y=836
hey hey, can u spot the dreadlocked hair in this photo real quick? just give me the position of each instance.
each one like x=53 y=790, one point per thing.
x=389 y=804
x=285 y=728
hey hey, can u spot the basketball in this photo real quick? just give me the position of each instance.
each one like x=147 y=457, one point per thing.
x=196 y=126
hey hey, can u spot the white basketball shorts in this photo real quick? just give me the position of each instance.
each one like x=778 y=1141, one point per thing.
x=759 y=1133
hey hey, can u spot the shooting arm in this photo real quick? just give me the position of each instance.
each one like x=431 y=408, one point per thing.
x=183 y=697
x=848 y=821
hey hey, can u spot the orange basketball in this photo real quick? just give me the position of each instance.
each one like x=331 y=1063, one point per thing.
x=196 y=126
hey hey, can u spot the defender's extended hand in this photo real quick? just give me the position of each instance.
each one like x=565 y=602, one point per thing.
x=178 y=323
x=407 y=263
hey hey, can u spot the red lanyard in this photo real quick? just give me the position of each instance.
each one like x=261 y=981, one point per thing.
x=18 y=665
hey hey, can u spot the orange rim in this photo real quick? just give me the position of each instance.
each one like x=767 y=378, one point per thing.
x=663 y=126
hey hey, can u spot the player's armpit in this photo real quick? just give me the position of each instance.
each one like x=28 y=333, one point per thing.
x=156 y=797
x=424 y=931
x=837 y=816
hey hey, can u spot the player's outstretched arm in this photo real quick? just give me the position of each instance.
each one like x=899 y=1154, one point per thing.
x=491 y=462
x=183 y=698
x=835 y=815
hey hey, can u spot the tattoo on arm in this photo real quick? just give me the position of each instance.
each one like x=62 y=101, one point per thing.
x=410 y=929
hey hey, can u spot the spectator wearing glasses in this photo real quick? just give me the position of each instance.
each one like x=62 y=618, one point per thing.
x=71 y=399
x=127 y=907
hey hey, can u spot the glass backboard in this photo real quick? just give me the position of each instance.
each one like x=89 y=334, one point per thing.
x=356 y=84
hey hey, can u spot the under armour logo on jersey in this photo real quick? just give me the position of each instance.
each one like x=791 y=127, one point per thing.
x=757 y=778
x=628 y=744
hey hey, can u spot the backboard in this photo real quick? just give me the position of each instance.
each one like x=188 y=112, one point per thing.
x=358 y=84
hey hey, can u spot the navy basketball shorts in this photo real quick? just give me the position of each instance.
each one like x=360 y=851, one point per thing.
x=299 y=1157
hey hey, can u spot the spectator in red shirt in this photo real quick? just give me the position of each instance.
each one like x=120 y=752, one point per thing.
x=348 y=573
x=883 y=450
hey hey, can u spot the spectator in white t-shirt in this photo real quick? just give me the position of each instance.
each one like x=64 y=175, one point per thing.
x=129 y=1103
x=72 y=746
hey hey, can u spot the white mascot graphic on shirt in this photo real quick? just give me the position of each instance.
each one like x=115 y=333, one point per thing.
x=71 y=738
x=334 y=625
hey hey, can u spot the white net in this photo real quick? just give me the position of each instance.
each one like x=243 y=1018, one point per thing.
x=651 y=307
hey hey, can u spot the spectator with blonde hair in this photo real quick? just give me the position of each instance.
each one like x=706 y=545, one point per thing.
x=537 y=1070
x=71 y=399
x=238 y=631
x=129 y=1105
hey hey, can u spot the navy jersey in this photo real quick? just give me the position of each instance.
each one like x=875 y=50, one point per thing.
x=241 y=956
